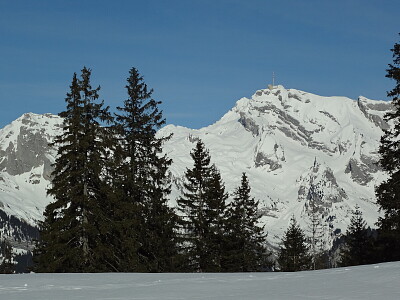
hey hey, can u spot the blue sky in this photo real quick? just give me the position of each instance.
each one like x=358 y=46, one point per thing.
x=199 y=56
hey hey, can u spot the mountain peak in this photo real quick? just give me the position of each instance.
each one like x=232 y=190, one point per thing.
x=38 y=118
x=277 y=136
x=292 y=144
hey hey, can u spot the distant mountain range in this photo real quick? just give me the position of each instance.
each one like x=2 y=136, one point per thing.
x=295 y=147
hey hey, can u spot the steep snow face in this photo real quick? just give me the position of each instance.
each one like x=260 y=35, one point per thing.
x=296 y=147
x=25 y=164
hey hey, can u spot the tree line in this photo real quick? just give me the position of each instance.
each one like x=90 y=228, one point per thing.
x=111 y=214
x=385 y=244
x=360 y=244
x=364 y=245
x=111 y=185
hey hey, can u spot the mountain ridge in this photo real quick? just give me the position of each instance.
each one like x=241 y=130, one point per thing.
x=277 y=136
x=295 y=146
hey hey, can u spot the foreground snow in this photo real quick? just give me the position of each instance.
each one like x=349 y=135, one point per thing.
x=364 y=282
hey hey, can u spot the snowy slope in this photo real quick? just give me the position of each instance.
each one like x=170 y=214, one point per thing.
x=25 y=168
x=363 y=282
x=294 y=146
x=25 y=164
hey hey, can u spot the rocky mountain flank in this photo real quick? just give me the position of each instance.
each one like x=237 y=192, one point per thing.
x=25 y=171
x=297 y=148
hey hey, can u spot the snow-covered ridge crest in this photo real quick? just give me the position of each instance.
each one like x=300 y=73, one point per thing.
x=25 y=164
x=290 y=143
x=278 y=136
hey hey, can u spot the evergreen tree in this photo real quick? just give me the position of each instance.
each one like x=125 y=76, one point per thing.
x=192 y=205
x=202 y=205
x=358 y=242
x=215 y=221
x=75 y=233
x=7 y=266
x=146 y=223
x=294 y=252
x=245 y=249
x=388 y=192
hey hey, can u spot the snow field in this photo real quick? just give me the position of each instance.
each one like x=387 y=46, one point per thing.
x=379 y=281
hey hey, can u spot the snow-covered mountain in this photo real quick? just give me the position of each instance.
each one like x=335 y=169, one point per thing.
x=25 y=168
x=294 y=146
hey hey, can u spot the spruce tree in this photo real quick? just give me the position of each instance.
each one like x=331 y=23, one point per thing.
x=358 y=242
x=245 y=247
x=192 y=206
x=147 y=225
x=388 y=192
x=294 y=252
x=215 y=221
x=203 y=207
x=75 y=233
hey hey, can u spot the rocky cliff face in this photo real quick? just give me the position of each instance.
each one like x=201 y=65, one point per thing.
x=25 y=144
x=296 y=147
x=25 y=169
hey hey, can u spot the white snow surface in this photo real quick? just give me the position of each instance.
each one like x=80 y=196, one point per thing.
x=379 y=281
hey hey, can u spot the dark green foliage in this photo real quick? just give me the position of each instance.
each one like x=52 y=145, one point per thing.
x=192 y=205
x=75 y=233
x=323 y=260
x=217 y=237
x=7 y=266
x=202 y=205
x=23 y=262
x=245 y=249
x=110 y=186
x=215 y=221
x=146 y=224
x=19 y=229
x=358 y=242
x=388 y=192
x=294 y=253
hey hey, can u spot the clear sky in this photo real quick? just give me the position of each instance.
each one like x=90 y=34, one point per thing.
x=199 y=56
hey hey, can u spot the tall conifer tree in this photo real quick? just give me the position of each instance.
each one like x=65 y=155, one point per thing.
x=203 y=208
x=146 y=223
x=216 y=220
x=75 y=230
x=192 y=205
x=294 y=253
x=358 y=242
x=388 y=192
x=245 y=248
